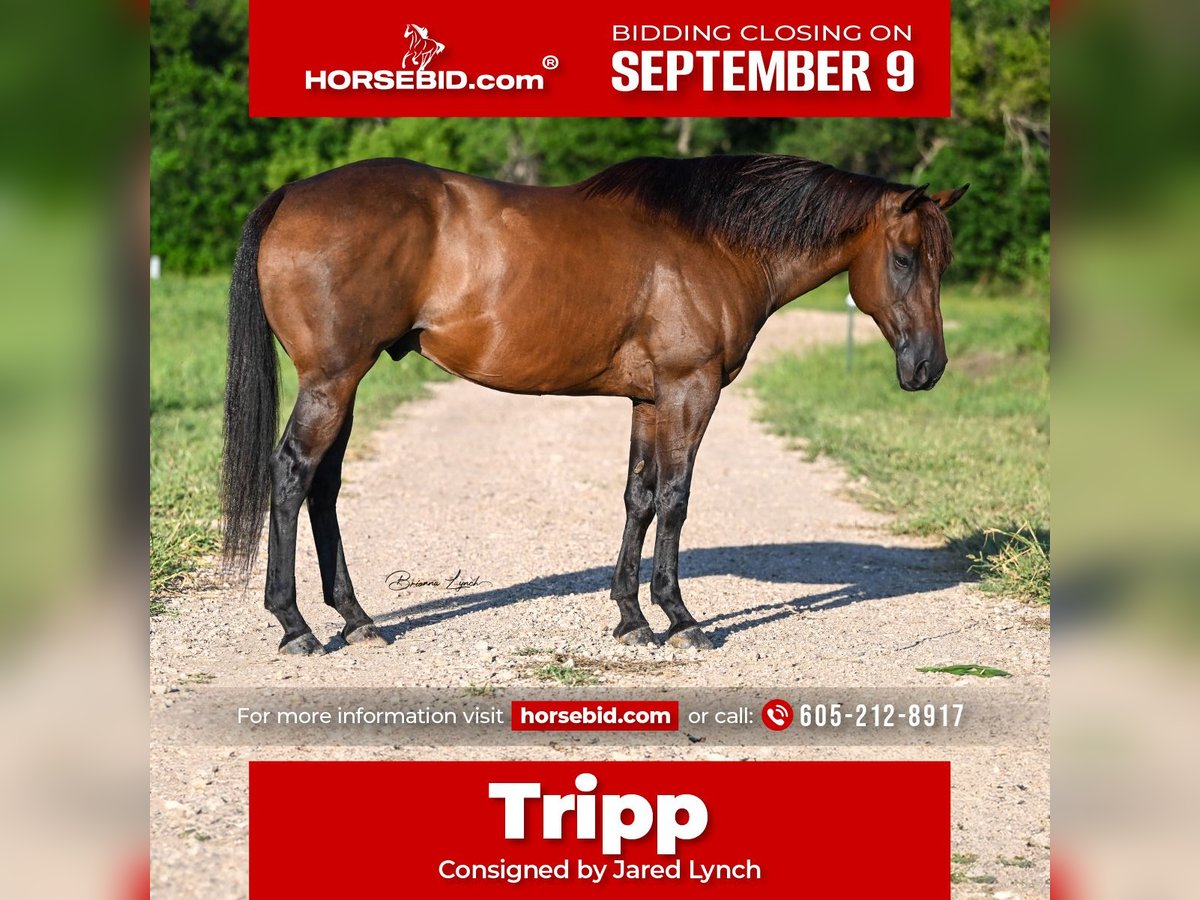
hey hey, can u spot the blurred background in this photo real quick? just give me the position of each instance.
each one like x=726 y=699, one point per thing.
x=74 y=225
x=1127 y=436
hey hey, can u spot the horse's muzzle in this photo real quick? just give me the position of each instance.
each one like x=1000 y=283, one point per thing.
x=919 y=371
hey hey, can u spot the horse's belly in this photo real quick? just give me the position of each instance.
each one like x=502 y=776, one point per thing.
x=533 y=361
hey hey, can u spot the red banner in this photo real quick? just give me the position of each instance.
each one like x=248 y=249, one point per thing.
x=627 y=829
x=376 y=58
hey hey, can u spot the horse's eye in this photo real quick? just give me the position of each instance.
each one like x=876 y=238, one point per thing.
x=901 y=262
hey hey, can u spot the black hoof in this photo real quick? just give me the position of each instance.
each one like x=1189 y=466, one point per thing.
x=367 y=635
x=689 y=638
x=637 y=637
x=305 y=645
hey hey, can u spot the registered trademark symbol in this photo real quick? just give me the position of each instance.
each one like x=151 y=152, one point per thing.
x=550 y=62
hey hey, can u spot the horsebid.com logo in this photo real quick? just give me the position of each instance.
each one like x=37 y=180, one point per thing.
x=413 y=74
x=421 y=47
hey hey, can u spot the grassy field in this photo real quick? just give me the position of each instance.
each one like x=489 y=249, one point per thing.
x=187 y=378
x=968 y=461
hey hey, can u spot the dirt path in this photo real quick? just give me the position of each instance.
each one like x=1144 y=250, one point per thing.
x=798 y=586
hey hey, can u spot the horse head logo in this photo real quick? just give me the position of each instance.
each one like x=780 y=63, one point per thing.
x=421 y=47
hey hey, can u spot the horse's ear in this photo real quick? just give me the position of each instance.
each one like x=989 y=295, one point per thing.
x=915 y=196
x=946 y=199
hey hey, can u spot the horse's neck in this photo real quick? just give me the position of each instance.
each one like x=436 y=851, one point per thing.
x=792 y=277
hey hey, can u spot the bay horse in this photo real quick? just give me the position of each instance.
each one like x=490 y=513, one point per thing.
x=649 y=280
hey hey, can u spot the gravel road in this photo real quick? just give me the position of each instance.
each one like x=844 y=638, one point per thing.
x=798 y=586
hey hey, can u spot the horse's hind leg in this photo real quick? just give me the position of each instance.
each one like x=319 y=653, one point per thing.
x=639 y=512
x=322 y=512
x=316 y=422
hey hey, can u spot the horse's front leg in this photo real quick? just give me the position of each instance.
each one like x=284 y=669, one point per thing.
x=684 y=408
x=639 y=512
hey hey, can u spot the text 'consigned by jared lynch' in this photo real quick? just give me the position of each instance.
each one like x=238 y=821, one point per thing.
x=594 y=873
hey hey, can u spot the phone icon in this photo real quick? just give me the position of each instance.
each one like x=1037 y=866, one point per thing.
x=777 y=714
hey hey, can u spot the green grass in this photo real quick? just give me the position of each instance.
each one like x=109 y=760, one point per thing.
x=187 y=380
x=968 y=461
x=1014 y=563
x=1016 y=862
x=957 y=877
x=967 y=669
x=568 y=675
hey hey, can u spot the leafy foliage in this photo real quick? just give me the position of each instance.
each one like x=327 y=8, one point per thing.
x=211 y=163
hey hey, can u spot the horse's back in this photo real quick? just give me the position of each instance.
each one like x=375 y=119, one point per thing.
x=360 y=188
x=526 y=289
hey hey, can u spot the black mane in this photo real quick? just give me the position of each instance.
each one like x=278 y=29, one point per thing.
x=761 y=203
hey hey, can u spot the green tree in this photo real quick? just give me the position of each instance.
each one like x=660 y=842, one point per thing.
x=210 y=162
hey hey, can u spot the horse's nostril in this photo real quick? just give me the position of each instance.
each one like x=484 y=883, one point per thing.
x=922 y=373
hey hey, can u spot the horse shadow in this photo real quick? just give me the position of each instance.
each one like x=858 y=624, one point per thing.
x=856 y=573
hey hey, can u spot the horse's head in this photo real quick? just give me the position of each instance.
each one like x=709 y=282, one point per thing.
x=410 y=30
x=897 y=275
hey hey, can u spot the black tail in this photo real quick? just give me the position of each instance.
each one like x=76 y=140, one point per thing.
x=251 y=398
